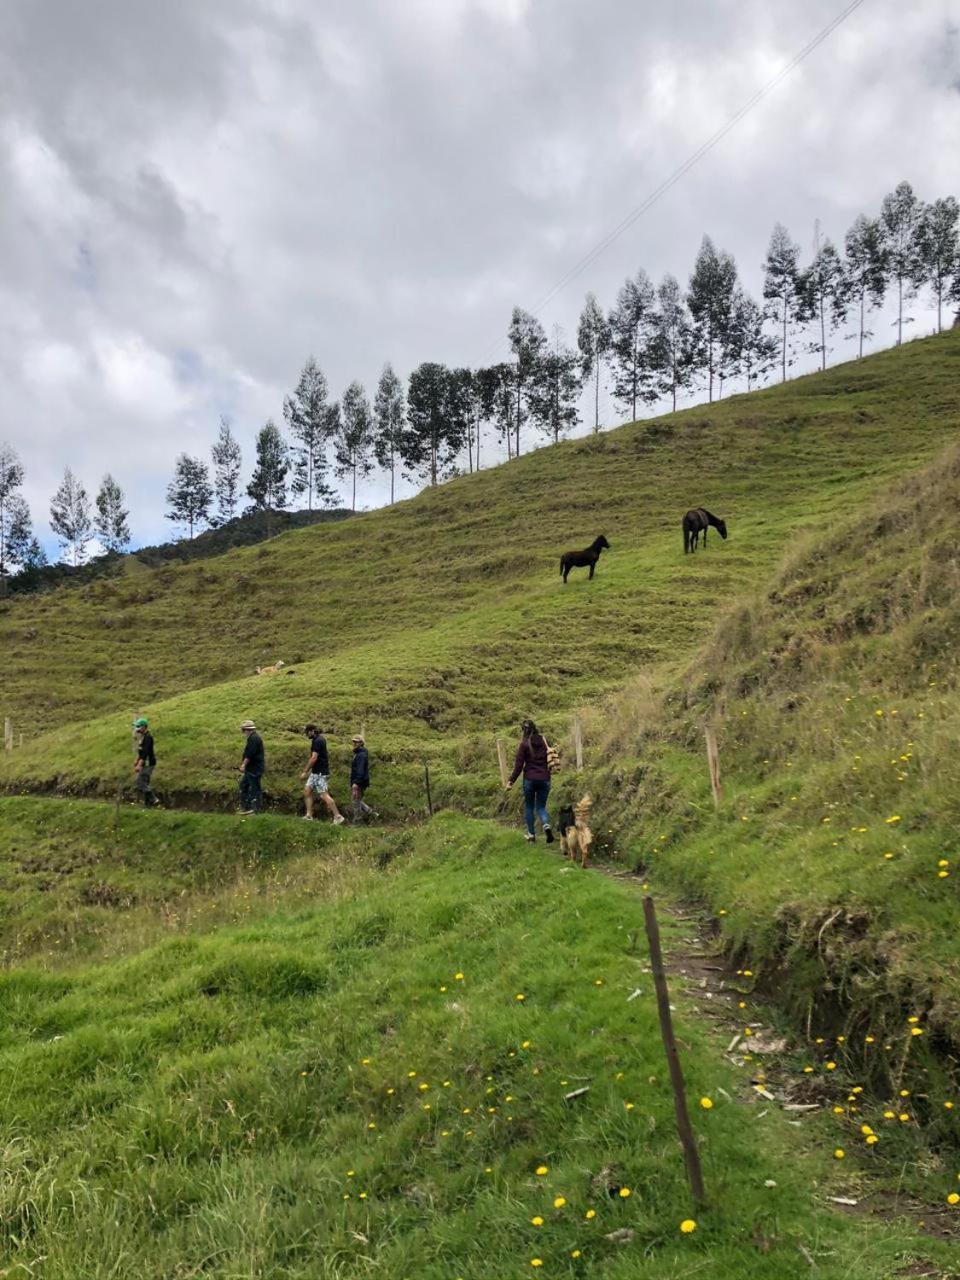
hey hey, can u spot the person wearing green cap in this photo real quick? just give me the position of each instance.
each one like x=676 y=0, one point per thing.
x=145 y=762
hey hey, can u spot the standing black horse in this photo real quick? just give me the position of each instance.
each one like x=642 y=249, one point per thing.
x=697 y=521
x=580 y=559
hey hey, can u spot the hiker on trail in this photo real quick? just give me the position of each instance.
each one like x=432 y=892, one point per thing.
x=360 y=780
x=316 y=775
x=251 y=770
x=532 y=762
x=145 y=762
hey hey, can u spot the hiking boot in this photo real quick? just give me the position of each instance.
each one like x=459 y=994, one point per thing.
x=529 y=838
x=339 y=820
x=548 y=834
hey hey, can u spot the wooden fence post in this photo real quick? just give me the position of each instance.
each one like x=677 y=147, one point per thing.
x=502 y=759
x=578 y=743
x=7 y=734
x=713 y=762
x=426 y=777
x=691 y=1155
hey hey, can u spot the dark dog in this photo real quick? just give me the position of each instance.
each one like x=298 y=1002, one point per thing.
x=580 y=559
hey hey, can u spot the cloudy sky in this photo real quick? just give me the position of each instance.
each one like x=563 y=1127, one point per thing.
x=200 y=193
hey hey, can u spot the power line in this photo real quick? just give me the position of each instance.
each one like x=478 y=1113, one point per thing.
x=691 y=160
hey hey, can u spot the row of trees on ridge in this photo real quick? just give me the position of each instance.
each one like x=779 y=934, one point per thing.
x=656 y=342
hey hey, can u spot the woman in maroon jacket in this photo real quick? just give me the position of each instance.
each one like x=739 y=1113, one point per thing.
x=531 y=761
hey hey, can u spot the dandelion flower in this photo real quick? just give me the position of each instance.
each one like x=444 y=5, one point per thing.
x=624 y=1192
x=591 y=1213
x=916 y=1031
x=537 y=1221
x=574 y=1253
x=839 y=1153
x=559 y=1202
x=903 y=1117
x=541 y=1170
x=520 y=996
x=536 y=1262
x=889 y=1115
x=525 y=1045
x=831 y=1066
x=948 y=1106
x=371 y=1125
x=904 y=1093
x=687 y=1226
x=953 y=1198
x=628 y=1106
x=458 y=977
x=872 y=1140
x=706 y=1103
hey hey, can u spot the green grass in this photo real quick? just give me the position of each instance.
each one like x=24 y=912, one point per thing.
x=439 y=623
x=833 y=862
x=241 y=1100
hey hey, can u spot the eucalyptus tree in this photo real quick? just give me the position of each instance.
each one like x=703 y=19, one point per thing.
x=865 y=257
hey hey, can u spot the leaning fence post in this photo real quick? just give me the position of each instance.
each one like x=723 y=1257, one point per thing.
x=7 y=734
x=502 y=760
x=691 y=1155
x=578 y=743
x=713 y=762
x=426 y=778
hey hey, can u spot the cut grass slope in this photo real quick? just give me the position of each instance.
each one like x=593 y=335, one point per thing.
x=442 y=621
x=351 y=1085
x=834 y=859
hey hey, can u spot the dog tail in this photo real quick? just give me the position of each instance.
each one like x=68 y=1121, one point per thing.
x=582 y=807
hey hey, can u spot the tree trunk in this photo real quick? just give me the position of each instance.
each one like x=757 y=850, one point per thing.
x=393 y=464
x=783 y=354
x=939 y=305
x=823 y=337
x=596 y=400
x=863 y=295
x=353 y=500
x=899 y=310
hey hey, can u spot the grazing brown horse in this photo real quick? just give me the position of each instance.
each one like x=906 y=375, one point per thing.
x=580 y=559
x=697 y=521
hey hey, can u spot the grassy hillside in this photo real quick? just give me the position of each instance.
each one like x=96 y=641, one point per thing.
x=834 y=860
x=345 y=1081
x=442 y=621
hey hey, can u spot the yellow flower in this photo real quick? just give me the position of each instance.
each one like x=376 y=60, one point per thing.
x=839 y=1153
x=541 y=1170
x=913 y=1018
x=350 y=1173
x=838 y=1111
x=624 y=1192
x=371 y=1125
x=411 y=1074
x=628 y=1106
x=559 y=1202
x=365 y=1062
x=953 y=1198
x=904 y=1093
x=591 y=1213
x=574 y=1253
x=916 y=1031
x=831 y=1066
x=866 y=1130
x=537 y=1221
x=525 y=1045
x=598 y=982
x=868 y=1040
x=363 y=1195
x=893 y=818
x=687 y=1226
x=520 y=996
x=872 y=1140
x=423 y=1086
x=903 y=1117
x=944 y=862
x=706 y=1103
x=889 y=1115
x=948 y=1105
x=458 y=977
x=943 y=874
x=536 y=1262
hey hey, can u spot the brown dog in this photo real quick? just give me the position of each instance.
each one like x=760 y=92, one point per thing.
x=575 y=836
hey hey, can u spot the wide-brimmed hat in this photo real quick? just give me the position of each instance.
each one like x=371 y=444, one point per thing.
x=358 y=737
x=248 y=724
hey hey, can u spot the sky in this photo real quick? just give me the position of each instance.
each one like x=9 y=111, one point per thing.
x=200 y=194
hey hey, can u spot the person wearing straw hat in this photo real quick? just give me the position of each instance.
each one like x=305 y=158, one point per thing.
x=360 y=780
x=145 y=762
x=251 y=770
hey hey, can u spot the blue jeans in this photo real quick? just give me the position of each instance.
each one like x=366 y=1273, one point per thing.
x=251 y=796
x=535 y=802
